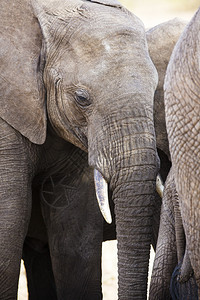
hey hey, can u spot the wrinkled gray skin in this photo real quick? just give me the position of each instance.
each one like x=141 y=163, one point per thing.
x=171 y=250
x=73 y=229
x=160 y=52
x=83 y=67
x=182 y=119
x=161 y=41
x=166 y=250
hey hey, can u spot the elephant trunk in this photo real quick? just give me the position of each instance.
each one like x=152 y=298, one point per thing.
x=128 y=161
x=134 y=198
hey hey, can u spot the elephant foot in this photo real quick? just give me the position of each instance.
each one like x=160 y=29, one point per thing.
x=183 y=286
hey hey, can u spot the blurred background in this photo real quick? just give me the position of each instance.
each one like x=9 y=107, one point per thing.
x=151 y=12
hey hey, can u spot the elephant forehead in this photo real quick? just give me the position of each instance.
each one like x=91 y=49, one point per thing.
x=118 y=53
x=95 y=43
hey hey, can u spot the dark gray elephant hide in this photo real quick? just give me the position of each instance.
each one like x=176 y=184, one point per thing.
x=66 y=227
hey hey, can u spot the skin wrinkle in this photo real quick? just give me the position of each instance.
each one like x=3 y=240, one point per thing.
x=100 y=17
x=185 y=165
x=18 y=221
x=64 y=120
x=108 y=127
x=63 y=31
x=144 y=70
x=188 y=90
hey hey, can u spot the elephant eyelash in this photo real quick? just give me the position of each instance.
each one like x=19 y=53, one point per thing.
x=57 y=81
x=57 y=84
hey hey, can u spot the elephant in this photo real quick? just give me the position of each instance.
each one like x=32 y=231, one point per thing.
x=181 y=90
x=77 y=86
x=161 y=41
x=31 y=252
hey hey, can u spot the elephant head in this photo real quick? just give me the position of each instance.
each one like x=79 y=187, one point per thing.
x=86 y=68
x=182 y=121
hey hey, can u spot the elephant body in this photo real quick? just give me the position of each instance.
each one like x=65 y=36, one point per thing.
x=161 y=41
x=182 y=119
x=76 y=92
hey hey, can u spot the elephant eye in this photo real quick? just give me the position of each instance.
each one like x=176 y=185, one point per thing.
x=82 y=98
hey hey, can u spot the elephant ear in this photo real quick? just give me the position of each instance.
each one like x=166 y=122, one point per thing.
x=21 y=94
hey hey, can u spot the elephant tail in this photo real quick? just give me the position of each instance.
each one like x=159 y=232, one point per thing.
x=183 y=290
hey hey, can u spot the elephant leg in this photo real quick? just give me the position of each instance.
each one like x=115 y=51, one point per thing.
x=75 y=232
x=166 y=252
x=15 y=206
x=36 y=256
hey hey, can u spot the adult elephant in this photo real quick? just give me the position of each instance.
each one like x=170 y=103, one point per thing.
x=182 y=119
x=161 y=41
x=36 y=254
x=83 y=67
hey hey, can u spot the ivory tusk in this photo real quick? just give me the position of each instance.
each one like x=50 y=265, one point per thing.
x=159 y=185
x=101 y=188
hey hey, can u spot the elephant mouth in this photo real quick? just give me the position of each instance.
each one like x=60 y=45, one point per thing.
x=101 y=188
